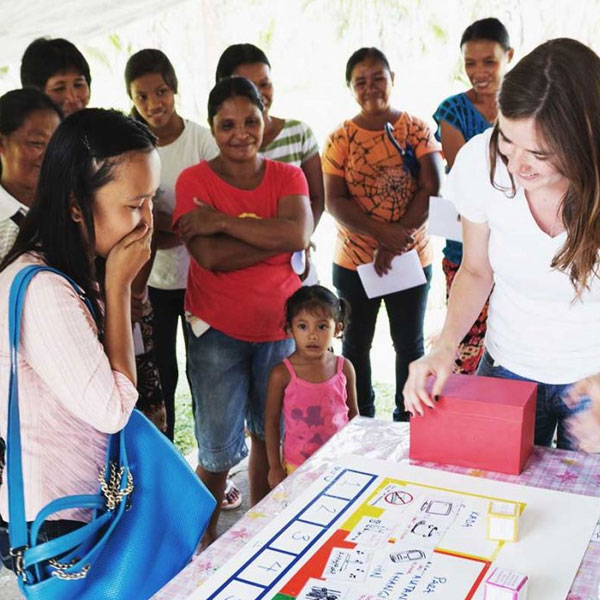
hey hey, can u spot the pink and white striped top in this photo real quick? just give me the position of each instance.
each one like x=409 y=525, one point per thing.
x=69 y=397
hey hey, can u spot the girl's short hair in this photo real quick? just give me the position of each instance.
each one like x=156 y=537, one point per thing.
x=81 y=158
x=232 y=87
x=45 y=57
x=236 y=55
x=317 y=299
x=363 y=54
x=558 y=86
x=490 y=29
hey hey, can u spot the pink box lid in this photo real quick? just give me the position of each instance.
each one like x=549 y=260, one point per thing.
x=491 y=397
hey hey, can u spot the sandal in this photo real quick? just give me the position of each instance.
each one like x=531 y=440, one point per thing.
x=232 y=498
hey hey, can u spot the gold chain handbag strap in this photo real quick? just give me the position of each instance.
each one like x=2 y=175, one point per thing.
x=112 y=488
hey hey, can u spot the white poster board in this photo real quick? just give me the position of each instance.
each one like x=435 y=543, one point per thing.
x=372 y=529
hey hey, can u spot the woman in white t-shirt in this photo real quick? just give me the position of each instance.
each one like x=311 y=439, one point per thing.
x=152 y=84
x=528 y=191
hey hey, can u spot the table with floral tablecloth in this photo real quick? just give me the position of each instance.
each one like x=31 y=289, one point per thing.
x=560 y=470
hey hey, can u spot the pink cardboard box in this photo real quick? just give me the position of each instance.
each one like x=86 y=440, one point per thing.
x=479 y=422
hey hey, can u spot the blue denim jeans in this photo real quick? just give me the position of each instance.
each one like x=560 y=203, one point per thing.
x=406 y=313
x=229 y=380
x=550 y=413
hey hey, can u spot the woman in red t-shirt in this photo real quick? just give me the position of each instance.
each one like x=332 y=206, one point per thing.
x=241 y=216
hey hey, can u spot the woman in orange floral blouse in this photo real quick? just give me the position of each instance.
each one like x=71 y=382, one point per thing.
x=379 y=197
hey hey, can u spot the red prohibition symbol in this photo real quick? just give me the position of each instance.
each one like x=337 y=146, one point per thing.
x=398 y=497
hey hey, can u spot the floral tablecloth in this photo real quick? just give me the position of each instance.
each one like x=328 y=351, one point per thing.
x=547 y=468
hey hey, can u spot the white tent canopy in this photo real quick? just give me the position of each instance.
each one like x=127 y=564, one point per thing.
x=77 y=20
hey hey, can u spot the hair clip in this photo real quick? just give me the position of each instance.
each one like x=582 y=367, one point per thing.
x=86 y=143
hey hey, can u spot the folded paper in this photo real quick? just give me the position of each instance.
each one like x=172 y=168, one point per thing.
x=405 y=272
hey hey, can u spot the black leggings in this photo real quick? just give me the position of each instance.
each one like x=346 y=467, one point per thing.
x=406 y=313
x=168 y=311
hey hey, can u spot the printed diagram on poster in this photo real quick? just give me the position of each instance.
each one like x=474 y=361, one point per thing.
x=374 y=530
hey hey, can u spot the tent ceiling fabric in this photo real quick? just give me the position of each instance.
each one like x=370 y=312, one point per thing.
x=24 y=20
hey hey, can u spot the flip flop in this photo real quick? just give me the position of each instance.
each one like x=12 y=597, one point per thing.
x=232 y=498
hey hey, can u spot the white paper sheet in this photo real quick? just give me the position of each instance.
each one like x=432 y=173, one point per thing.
x=444 y=219
x=406 y=272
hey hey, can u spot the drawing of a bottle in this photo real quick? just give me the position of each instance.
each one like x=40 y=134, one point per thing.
x=407 y=556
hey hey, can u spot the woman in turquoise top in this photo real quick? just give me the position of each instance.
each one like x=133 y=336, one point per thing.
x=486 y=51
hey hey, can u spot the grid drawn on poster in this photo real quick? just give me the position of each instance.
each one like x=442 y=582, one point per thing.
x=273 y=560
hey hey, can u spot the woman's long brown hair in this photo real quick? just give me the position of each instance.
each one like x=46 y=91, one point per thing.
x=558 y=85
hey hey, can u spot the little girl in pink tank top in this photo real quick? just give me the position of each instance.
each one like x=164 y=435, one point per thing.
x=314 y=389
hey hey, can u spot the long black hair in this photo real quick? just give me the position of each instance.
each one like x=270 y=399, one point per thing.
x=80 y=159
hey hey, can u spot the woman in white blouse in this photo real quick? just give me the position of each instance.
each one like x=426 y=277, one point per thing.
x=529 y=195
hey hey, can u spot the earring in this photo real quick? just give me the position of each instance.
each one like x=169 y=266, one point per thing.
x=76 y=215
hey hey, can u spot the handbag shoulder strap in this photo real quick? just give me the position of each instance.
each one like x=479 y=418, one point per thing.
x=17 y=525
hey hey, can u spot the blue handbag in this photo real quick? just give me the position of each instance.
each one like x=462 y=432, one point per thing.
x=149 y=515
